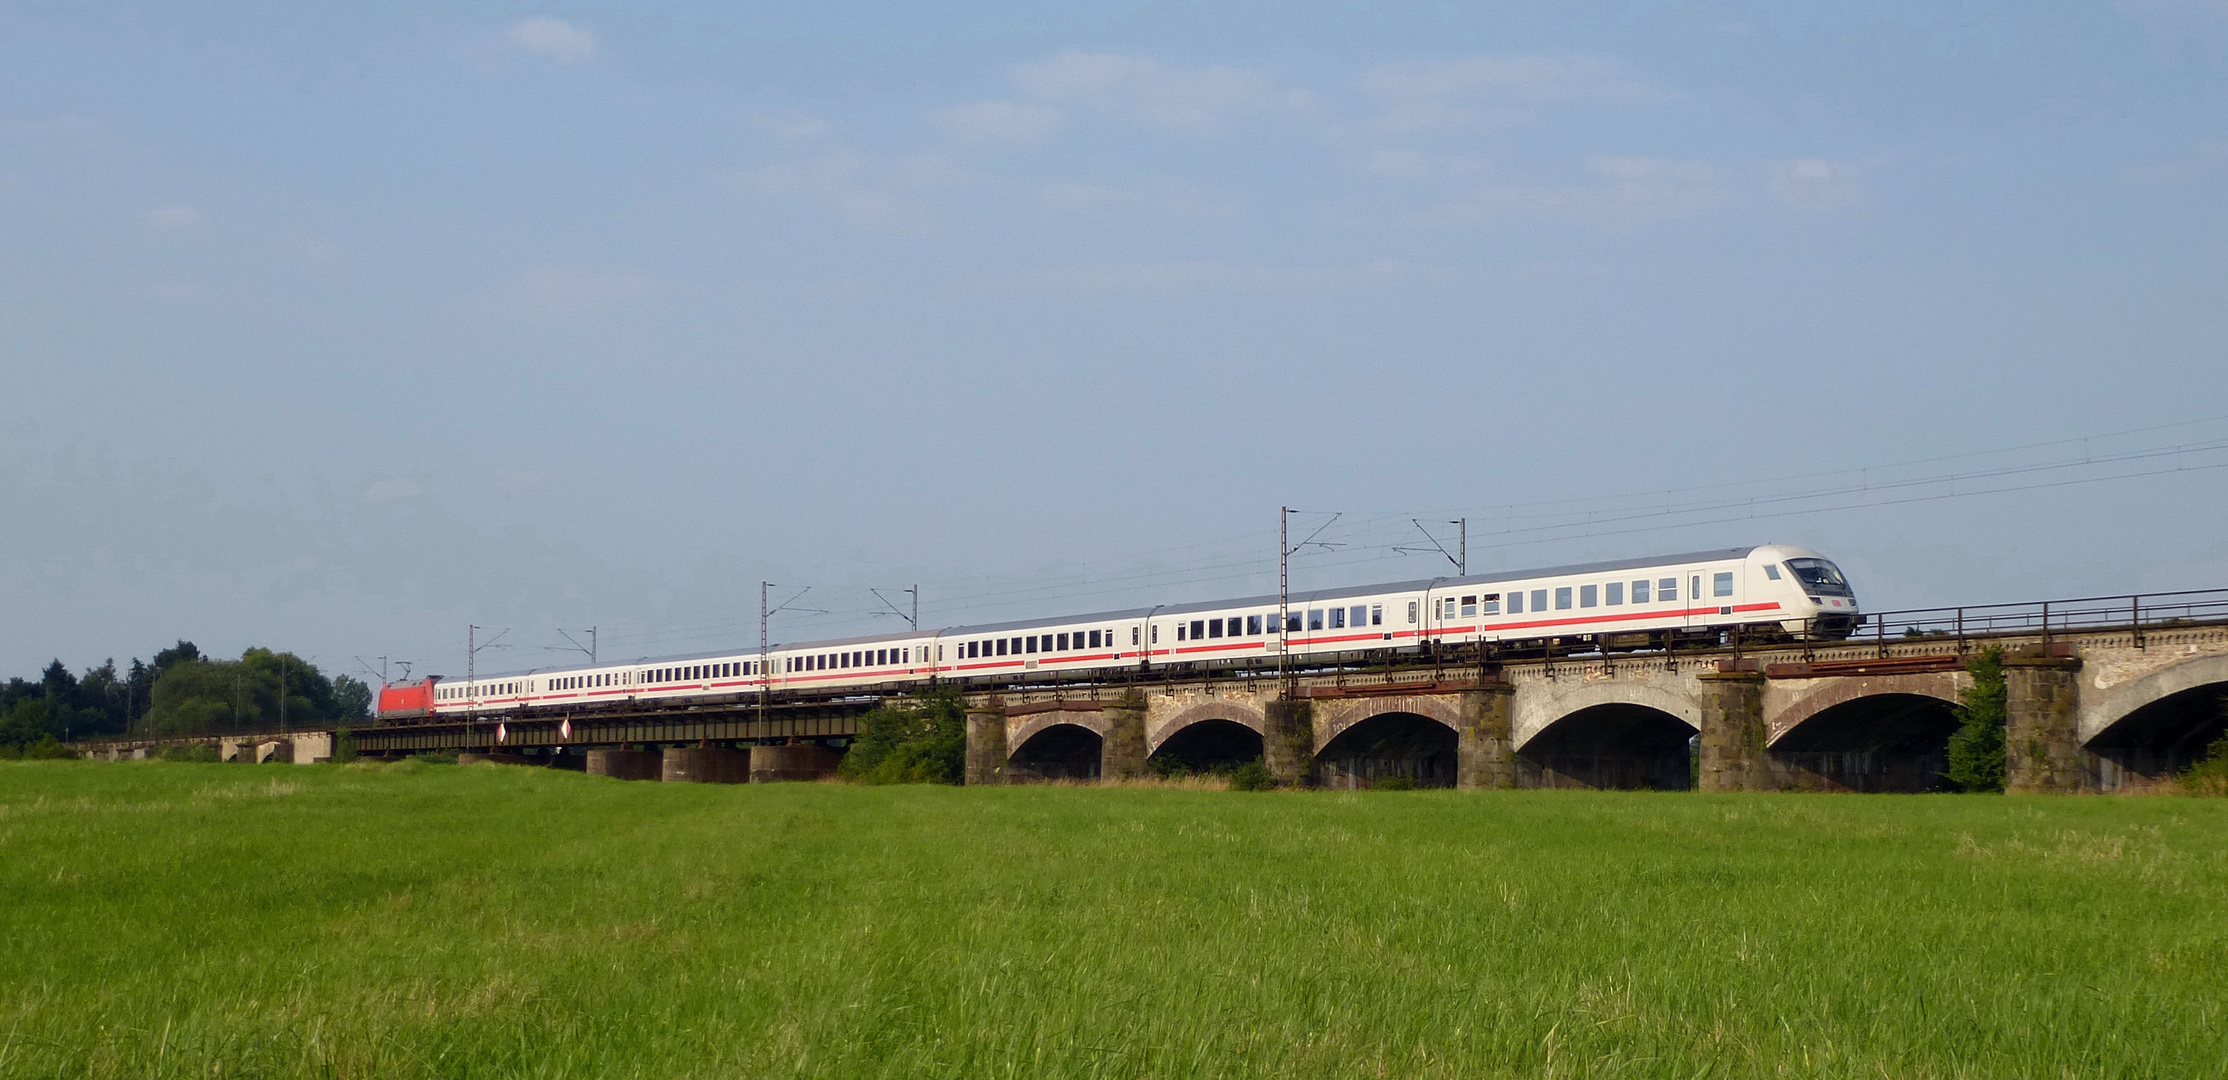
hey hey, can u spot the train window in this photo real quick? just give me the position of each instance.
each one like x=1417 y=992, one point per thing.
x=1156 y=634
x=1001 y=647
x=1694 y=588
x=1721 y=584
x=1490 y=604
x=1376 y=614
x=1198 y=628
x=1771 y=573
x=1338 y=618
x=1214 y=627
x=1640 y=591
x=1061 y=642
x=1253 y=626
x=1315 y=618
x=1180 y=629
x=1016 y=646
x=1667 y=589
x=1539 y=600
x=1236 y=624
x=1133 y=635
x=1095 y=642
x=1359 y=616
x=1029 y=644
x=1562 y=598
x=1516 y=602
x=1469 y=606
x=1589 y=596
x=1613 y=593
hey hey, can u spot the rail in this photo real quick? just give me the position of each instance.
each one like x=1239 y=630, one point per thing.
x=2136 y=613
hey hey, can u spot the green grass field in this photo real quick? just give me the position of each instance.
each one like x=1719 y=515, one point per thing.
x=225 y=920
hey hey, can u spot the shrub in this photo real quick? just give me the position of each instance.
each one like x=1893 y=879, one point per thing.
x=1252 y=776
x=1392 y=783
x=201 y=752
x=1976 y=750
x=2210 y=775
x=344 y=744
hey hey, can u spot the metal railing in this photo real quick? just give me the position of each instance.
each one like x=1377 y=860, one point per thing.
x=2135 y=614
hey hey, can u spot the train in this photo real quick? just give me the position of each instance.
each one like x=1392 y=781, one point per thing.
x=1624 y=604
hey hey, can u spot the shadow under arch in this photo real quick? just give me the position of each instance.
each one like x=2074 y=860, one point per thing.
x=1410 y=746
x=2148 y=748
x=1206 y=746
x=1057 y=752
x=1878 y=742
x=1616 y=745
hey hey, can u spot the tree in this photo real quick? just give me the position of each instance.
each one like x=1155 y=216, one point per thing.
x=351 y=698
x=27 y=721
x=920 y=740
x=1976 y=750
x=240 y=695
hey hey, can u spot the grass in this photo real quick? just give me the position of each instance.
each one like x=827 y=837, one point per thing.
x=165 y=919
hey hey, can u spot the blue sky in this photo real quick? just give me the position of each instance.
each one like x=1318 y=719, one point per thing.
x=340 y=329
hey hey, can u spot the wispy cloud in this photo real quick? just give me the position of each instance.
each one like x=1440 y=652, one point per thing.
x=1187 y=100
x=1633 y=191
x=1192 y=277
x=563 y=292
x=1160 y=197
x=797 y=127
x=554 y=38
x=866 y=193
x=1482 y=91
x=392 y=490
x=174 y=217
x=1006 y=122
x=1815 y=184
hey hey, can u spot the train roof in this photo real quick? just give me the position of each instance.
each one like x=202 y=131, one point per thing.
x=1297 y=597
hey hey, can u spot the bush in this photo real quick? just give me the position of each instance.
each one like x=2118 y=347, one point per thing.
x=46 y=749
x=344 y=744
x=2210 y=775
x=201 y=752
x=1392 y=783
x=1976 y=750
x=1252 y=776
x=921 y=740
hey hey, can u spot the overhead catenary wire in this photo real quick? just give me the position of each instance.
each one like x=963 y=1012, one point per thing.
x=1365 y=540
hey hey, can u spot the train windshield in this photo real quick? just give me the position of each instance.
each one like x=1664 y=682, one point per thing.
x=1819 y=576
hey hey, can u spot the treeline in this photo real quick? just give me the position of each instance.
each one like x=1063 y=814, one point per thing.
x=179 y=692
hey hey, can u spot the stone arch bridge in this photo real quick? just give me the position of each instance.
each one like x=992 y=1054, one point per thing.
x=2108 y=710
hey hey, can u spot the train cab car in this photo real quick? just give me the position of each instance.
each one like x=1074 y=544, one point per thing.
x=1809 y=586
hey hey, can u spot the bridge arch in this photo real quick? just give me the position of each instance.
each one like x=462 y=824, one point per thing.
x=2145 y=731
x=1413 y=739
x=1869 y=734
x=1333 y=717
x=1540 y=705
x=1023 y=729
x=1058 y=748
x=1226 y=711
x=1613 y=744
